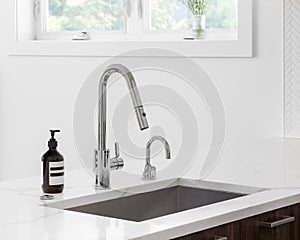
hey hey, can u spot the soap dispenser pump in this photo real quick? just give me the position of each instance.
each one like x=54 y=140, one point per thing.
x=53 y=167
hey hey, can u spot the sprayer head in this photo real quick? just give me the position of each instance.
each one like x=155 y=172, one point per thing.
x=141 y=117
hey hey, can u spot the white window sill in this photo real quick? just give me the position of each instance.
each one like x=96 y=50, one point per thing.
x=93 y=48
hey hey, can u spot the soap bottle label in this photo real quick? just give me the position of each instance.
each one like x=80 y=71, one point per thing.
x=56 y=173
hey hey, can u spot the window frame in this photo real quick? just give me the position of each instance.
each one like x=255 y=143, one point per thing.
x=25 y=43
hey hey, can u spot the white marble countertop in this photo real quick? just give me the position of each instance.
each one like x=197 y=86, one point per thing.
x=24 y=216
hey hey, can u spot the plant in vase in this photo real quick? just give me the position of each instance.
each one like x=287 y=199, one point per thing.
x=197 y=8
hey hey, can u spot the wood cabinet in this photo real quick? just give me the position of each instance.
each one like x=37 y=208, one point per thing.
x=280 y=224
x=231 y=231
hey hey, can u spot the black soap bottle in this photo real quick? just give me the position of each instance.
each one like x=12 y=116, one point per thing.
x=53 y=167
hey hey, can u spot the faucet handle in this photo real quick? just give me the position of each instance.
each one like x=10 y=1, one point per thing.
x=117 y=150
x=116 y=162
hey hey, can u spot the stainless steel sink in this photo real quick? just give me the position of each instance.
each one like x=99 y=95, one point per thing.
x=152 y=204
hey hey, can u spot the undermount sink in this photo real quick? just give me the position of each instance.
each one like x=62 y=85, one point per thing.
x=153 y=200
x=144 y=206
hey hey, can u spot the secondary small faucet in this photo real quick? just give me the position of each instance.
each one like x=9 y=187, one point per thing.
x=149 y=170
x=103 y=164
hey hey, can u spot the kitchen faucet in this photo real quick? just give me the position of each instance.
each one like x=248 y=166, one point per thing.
x=102 y=161
x=149 y=170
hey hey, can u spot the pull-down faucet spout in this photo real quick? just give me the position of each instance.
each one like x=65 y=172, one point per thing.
x=103 y=163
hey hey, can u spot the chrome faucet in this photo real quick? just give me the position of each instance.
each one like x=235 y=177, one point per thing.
x=149 y=170
x=103 y=164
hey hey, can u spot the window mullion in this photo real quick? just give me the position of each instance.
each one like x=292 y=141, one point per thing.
x=41 y=20
x=134 y=23
x=146 y=15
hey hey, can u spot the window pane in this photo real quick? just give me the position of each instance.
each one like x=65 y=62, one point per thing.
x=85 y=15
x=173 y=14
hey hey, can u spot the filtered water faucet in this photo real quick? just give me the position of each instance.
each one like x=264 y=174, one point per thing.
x=149 y=170
x=102 y=161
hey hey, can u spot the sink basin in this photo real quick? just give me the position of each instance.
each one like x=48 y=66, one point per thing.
x=151 y=200
x=152 y=204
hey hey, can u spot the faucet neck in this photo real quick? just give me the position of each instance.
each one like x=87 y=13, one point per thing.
x=136 y=100
x=163 y=141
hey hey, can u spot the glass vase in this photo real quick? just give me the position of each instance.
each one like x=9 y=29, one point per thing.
x=199 y=25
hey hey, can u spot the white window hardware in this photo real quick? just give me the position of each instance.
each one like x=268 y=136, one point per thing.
x=37 y=9
x=140 y=8
x=81 y=36
x=127 y=7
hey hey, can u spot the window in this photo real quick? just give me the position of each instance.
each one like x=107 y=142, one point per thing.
x=173 y=14
x=83 y=15
x=46 y=27
x=171 y=19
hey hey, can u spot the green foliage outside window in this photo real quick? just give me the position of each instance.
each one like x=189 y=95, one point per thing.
x=101 y=15
x=174 y=14
x=80 y=15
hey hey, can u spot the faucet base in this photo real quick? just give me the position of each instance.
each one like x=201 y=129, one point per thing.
x=101 y=187
x=149 y=172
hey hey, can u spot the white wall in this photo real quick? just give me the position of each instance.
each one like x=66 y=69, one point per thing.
x=35 y=90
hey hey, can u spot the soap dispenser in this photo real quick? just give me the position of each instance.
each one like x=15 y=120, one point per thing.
x=53 y=167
